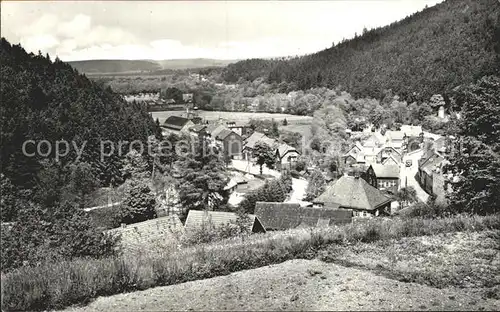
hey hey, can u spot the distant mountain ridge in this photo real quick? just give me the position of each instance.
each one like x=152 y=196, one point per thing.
x=138 y=66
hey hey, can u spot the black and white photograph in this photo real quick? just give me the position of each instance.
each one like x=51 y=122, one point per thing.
x=272 y=155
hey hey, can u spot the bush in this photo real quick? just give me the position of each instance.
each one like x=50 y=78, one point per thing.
x=107 y=218
x=273 y=191
x=426 y=210
x=49 y=235
x=139 y=204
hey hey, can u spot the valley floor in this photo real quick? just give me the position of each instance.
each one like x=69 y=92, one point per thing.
x=316 y=285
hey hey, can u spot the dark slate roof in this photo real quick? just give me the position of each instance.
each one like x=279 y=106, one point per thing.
x=198 y=128
x=196 y=218
x=282 y=216
x=175 y=122
x=352 y=192
x=223 y=134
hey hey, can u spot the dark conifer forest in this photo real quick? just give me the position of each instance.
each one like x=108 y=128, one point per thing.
x=430 y=52
x=49 y=100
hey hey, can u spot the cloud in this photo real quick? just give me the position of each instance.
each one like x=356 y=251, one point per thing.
x=78 y=26
x=42 y=42
x=188 y=29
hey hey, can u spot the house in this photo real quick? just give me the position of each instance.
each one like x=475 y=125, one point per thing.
x=141 y=235
x=392 y=160
x=242 y=129
x=411 y=131
x=429 y=165
x=372 y=155
x=352 y=155
x=286 y=155
x=199 y=130
x=230 y=142
x=363 y=171
x=356 y=194
x=387 y=176
x=283 y=216
x=178 y=124
x=373 y=140
x=395 y=139
x=197 y=219
x=251 y=141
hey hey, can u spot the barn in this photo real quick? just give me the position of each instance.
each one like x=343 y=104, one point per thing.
x=197 y=218
x=284 y=216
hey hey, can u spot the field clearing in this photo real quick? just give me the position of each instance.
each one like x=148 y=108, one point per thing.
x=236 y=116
x=303 y=129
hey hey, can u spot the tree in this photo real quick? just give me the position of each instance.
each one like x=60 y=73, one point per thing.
x=316 y=185
x=406 y=195
x=264 y=155
x=82 y=182
x=475 y=158
x=11 y=199
x=139 y=204
x=274 y=129
x=202 y=179
x=135 y=166
x=272 y=191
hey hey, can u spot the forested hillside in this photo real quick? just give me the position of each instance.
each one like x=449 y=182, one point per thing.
x=431 y=52
x=45 y=100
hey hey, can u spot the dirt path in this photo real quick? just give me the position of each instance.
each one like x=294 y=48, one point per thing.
x=295 y=285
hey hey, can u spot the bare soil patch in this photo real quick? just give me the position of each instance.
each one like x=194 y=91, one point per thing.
x=296 y=285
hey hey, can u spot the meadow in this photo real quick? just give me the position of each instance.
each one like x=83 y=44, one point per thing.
x=236 y=116
x=57 y=285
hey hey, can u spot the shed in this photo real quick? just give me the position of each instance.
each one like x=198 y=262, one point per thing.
x=138 y=236
x=283 y=216
x=197 y=218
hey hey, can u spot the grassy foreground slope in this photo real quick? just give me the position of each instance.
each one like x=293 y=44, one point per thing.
x=66 y=283
x=452 y=271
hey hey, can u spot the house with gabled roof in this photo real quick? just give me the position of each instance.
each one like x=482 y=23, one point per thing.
x=239 y=127
x=356 y=194
x=178 y=124
x=284 y=216
x=229 y=141
x=196 y=219
x=387 y=176
x=392 y=160
x=252 y=140
x=199 y=130
x=286 y=155
x=429 y=165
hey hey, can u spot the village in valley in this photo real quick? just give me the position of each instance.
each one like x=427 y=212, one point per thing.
x=382 y=171
x=193 y=156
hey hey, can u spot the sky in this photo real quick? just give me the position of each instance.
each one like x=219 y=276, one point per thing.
x=158 y=30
